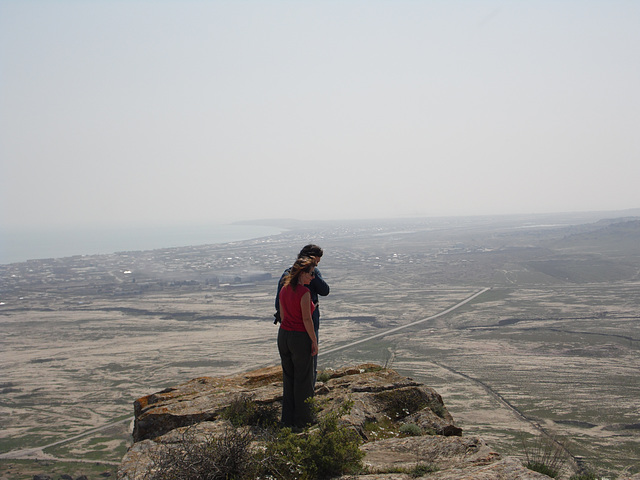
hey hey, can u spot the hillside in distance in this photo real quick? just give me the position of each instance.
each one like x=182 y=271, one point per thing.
x=617 y=236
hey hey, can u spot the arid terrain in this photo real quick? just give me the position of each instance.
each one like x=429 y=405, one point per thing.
x=550 y=345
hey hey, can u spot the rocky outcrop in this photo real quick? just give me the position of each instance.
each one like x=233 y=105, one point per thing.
x=382 y=403
x=200 y=400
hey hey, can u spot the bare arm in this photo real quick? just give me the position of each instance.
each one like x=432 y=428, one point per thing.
x=305 y=306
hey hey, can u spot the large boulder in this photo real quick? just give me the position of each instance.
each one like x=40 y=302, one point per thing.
x=201 y=399
x=381 y=401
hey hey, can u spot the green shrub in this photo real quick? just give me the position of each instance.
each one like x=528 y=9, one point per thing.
x=421 y=469
x=542 y=468
x=326 y=450
x=418 y=470
x=437 y=408
x=243 y=411
x=410 y=430
x=324 y=376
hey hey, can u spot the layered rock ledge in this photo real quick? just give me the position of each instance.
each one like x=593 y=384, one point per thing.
x=382 y=401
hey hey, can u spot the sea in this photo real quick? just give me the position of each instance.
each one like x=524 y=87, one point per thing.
x=22 y=245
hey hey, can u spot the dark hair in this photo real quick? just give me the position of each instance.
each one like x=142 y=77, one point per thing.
x=302 y=265
x=310 y=250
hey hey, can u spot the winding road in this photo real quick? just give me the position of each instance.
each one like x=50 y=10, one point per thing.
x=402 y=327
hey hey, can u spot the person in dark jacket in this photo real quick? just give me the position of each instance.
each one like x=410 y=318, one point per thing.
x=317 y=287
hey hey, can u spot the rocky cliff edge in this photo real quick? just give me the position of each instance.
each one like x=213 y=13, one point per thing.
x=382 y=402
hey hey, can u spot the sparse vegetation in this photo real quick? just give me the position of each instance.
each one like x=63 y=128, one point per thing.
x=437 y=408
x=418 y=470
x=223 y=457
x=544 y=455
x=410 y=430
x=28 y=469
x=422 y=469
x=322 y=451
x=243 y=411
x=324 y=376
x=326 y=450
x=380 y=428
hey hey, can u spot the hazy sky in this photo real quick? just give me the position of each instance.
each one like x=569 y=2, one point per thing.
x=165 y=112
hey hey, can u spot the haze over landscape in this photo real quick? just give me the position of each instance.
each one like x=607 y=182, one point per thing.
x=161 y=163
x=547 y=345
x=115 y=114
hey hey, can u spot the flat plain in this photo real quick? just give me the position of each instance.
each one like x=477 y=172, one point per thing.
x=550 y=346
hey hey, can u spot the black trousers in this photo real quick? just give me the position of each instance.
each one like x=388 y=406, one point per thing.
x=297 y=377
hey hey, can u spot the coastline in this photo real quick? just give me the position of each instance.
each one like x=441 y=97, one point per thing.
x=21 y=245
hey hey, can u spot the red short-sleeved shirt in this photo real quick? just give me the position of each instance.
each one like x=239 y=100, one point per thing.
x=291 y=311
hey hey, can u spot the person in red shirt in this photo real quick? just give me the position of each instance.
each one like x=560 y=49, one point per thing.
x=317 y=287
x=297 y=344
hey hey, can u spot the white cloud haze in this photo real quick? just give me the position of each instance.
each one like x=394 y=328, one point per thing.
x=146 y=112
